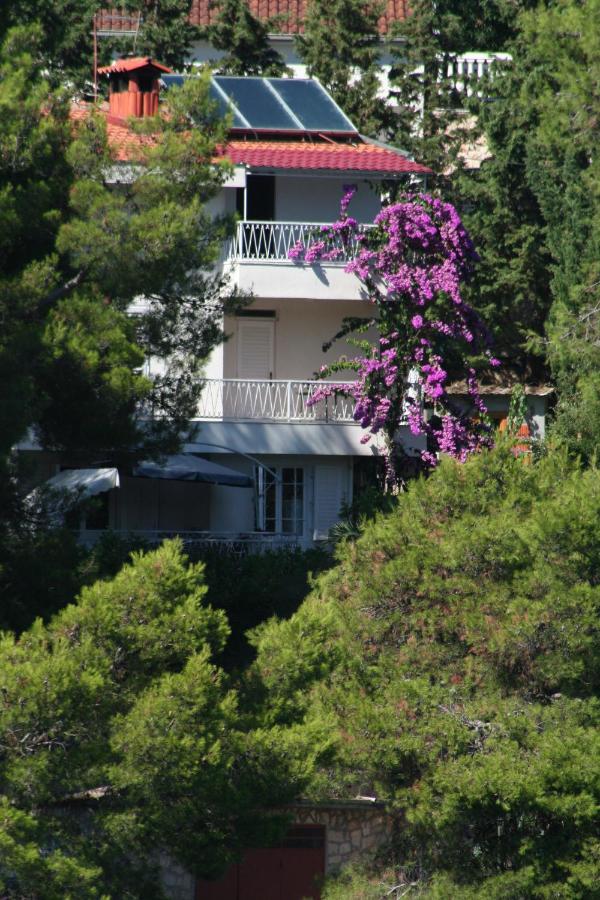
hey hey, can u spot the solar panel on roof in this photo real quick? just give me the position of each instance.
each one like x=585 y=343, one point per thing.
x=224 y=105
x=312 y=105
x=257 y=103
x=274 y=104
x=221 y=101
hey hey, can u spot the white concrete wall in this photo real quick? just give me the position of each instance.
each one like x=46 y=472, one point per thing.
x=317 y=198
x=321 y=281
x=301 y=328
x=232 y=509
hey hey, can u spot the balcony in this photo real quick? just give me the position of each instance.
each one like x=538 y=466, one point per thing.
x=229 y=543
x=273 y=241
x=237 y=399
x=258 y=256
x=469 y=68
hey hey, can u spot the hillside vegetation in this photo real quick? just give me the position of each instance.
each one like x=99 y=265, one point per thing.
x=453 y=657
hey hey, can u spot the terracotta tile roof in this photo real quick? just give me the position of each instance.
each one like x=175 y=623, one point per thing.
x=124 y=142
x=292 y=155
x=367 y=158
x=131 y=64
x=288 y=13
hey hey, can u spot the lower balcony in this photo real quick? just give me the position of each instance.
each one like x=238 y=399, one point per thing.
x=229 y=543
x=237 y=399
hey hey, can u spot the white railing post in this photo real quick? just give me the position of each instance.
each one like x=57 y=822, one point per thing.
x=289 y=401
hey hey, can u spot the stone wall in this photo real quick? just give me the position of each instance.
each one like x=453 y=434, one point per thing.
x=178 y=884
x=353 y=829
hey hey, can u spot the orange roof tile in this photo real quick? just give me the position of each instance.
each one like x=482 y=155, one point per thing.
x=124 y=142
x=130 y=64
x=302 y=156
x=288 y=14
x=355 y=158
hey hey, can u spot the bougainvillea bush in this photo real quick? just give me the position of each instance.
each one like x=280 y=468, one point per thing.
x=412 y=263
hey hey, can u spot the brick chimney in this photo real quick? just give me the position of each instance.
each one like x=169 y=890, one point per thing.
x=133 y=87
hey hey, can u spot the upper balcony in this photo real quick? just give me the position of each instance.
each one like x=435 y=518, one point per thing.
x=258 y=258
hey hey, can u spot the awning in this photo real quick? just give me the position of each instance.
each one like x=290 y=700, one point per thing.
x=186 y=467
x=86 y=481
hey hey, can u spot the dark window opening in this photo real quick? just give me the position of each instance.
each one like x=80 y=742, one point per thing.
x=260 y=199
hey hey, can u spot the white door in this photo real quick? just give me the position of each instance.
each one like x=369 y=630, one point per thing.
x=330 y=494
x=255 y=396
x=255 y=350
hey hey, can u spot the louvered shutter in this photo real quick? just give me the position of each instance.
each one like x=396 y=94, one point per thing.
x=255 y=349
x=329 y=495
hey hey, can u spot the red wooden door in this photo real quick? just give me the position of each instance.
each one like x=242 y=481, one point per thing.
x=292 y=871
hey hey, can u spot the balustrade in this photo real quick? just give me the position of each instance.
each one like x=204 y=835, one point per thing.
x=273 y=241
x=271 y=401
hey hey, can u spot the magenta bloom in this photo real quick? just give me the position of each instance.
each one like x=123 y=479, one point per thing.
x=416 y=258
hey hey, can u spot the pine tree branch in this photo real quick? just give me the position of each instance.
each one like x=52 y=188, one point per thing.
x=62 y=291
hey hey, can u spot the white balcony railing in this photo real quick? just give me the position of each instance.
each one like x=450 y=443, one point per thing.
x=272 y=241
x=271 y=401
x=469 y=68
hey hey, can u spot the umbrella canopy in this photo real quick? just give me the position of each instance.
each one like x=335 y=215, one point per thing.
x=88 y=481
x=186 y=467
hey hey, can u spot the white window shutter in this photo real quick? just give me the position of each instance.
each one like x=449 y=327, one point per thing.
x=329 y=495
x=255 y=348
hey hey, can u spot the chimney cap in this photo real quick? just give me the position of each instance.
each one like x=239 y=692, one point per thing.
x=131 y=64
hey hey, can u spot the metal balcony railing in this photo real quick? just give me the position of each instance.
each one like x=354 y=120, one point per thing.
x=271 y=401
x=229 y=543
x=273 y=241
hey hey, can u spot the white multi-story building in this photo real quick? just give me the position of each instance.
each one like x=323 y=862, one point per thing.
x=266 y=467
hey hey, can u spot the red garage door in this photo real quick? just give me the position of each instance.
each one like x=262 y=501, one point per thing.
x=292 y=871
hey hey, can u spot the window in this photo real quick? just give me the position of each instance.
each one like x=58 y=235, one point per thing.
x=280 y=501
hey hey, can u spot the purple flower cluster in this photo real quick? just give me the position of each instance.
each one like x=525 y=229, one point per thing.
x=413 y=264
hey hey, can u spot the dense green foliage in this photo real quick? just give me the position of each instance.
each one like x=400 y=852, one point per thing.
x=67 y=26
x=164 y=33
x=77 y=250
x=453 y=654
x=532 y=207
x=243 y=41
x=340 y=46
x=117 y=707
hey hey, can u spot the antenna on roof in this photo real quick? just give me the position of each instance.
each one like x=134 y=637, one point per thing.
x=137 y=30
x=95 y=32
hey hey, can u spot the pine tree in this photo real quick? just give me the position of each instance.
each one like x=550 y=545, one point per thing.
x=75 y=252
x=165 y=31
x=511 y=285
x=341 y=47
x=453 y=654
x=66 y=41
x=428 y=122
x=244 y=41
x=124 y=738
